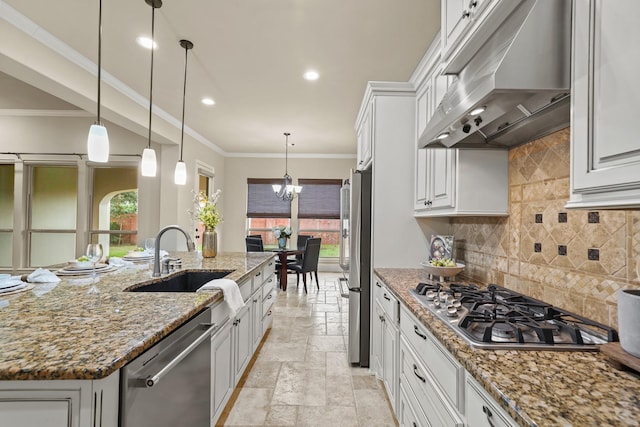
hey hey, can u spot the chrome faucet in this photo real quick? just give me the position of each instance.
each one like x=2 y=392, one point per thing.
x=156 y=259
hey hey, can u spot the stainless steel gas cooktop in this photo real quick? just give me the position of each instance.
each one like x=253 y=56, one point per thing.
x=499 y=318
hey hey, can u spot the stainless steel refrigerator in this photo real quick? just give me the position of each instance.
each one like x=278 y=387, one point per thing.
x=356 y=242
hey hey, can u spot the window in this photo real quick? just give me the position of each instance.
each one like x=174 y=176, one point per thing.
x=265 y=210
x=6 y=214
x=52 y=217
x=114 y=209
x=319 y=213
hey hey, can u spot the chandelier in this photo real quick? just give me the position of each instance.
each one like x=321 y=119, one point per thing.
x=287 y=191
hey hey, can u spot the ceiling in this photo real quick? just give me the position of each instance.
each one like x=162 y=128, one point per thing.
x=249 y=56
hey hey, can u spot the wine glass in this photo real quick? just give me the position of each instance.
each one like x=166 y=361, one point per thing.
x=94 y=253
x=149 y=245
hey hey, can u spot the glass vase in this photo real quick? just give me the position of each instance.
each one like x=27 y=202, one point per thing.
x=209 y=244
x=282 y=242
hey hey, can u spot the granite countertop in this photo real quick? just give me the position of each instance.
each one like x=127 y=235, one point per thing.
x=537 y=388
x=60 y=331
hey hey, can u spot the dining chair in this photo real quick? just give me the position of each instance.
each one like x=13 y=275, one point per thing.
x=309 y=263
x=254 y=243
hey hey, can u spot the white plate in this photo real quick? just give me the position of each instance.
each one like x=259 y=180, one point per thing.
x=70 y=272
x=99 y=266
x=138 y=254
x=4 y=276
x=79 y=265
x=13 y=286
x=5 y=284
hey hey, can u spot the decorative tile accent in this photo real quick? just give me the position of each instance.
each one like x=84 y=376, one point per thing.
x=539 y=186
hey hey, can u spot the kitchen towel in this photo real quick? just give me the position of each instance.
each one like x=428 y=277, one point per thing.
x=41 y=275
x=231 y=292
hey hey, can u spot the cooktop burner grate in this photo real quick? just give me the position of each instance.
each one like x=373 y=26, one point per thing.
x=497 y=317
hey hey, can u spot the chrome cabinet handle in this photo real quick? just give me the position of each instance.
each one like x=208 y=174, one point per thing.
x=418 y=333
x=155 y=379
x=487 y=411
x=415 y=372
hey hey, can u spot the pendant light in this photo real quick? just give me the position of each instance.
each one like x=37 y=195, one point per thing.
x=180 y=174
x=98 y=139
x=287 y=191
x=148 y=165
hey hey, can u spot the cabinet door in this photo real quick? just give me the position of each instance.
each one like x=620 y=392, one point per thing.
x=389 y=359
x=421 y=201
x=222 y=376
x=256 y=318
x=605 y=154
x=377 y=317
x=243 y=340
x=424 y=109
x=442 y=177
x=364 y=138
x=454 y=20
x=481 y=408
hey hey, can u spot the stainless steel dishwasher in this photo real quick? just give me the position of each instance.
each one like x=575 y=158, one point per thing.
x=170 y=383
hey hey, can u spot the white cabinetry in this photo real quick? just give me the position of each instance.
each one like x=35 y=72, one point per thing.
x=365 y=141
x=384 y=339
x=481 y=410
x=461 y=182
x=466 y=25
x=222 y=374
x=605 y=153
x=57 y=403
x=243 y=340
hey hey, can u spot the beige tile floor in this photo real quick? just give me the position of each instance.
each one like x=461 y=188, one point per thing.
x=301 y=376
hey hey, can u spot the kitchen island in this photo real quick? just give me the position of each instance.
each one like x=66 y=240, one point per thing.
x=536 y=388
x=61 y=332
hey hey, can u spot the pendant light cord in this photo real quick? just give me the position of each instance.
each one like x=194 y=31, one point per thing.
x=99 y=60
x=153 y=41
x=286 y=153
x=184 y=91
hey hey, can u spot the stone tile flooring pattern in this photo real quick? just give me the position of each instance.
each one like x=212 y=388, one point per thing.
x=301 y=376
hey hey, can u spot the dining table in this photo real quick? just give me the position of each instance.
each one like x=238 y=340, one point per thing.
x=283 y=253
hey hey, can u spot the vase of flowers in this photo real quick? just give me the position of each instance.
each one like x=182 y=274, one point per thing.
x=282 y=233
x=206 y=211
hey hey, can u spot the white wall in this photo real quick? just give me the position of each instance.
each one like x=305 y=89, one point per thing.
x=234 y=196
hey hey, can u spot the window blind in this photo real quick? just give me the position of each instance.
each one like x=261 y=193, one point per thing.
x=262 y=202
x=320 y=198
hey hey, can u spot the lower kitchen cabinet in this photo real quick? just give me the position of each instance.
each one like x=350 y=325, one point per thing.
x=256 y=318
x=384 y=339
x=222 y=373
x=58 y=403
x=480 y=409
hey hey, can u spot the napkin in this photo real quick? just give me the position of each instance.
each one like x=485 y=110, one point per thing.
x=119 y=262
x=231 y=292
x=41 y=275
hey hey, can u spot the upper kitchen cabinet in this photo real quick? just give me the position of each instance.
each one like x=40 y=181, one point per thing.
x=459 y=182
x=605 y=153
x=466 y=25
x=363 y=131
x=377 y=121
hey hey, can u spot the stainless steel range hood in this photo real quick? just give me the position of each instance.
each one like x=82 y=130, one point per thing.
x=521 y=76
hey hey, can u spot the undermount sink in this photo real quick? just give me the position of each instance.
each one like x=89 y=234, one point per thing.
x=188 y=281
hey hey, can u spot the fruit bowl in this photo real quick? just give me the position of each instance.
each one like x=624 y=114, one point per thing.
x=442 y=272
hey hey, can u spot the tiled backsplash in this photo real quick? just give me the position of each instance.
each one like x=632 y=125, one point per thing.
x=575 y=259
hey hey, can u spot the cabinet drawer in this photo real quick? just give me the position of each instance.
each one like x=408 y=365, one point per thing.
x=267 y=320
x=436 y=407
x=409 y=412
x=268 y=301
x=446 y=371
x=481 y=410
x=387 y=300
x=269 y=286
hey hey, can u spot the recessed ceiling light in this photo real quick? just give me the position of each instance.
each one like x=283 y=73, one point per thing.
x=208 y=101
x=311 y=75
x=146 y=42
x=477 y=111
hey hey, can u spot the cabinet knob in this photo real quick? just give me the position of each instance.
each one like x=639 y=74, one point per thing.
x=473 y=4
x=465 y=14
